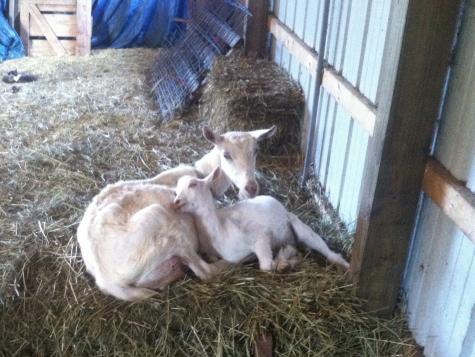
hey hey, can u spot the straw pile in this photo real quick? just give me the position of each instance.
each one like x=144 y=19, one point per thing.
x=87 y=122
x=243 y=93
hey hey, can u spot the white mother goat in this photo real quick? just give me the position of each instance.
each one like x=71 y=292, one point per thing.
x=133 y=243
x=258 y=225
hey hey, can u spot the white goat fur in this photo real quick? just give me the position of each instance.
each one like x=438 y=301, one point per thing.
x=133 y=243
x=258 y=225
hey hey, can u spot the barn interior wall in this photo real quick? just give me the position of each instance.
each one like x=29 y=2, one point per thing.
x=355 y=44
x=440 y=278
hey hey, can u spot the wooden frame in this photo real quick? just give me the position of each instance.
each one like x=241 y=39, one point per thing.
x=256 y=29
x=408 y=95
x=358 y=106
x=56 y=27
x=451 y=195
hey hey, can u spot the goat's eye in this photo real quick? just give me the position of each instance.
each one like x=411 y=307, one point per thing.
x=192 y=184
x=227 y=156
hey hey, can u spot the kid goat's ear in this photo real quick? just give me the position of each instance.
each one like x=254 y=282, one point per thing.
x=213 y=176
x=263 y=134
x=211 y=136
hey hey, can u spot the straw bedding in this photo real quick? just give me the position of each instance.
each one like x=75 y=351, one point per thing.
x=90 y=121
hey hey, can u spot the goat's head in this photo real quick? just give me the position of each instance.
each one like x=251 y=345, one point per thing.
x=193 y=193
x=238 y=151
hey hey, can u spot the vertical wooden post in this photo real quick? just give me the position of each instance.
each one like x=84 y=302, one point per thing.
x=256 y=29
x=25 y=25
x=84 y=22
x=415 y=62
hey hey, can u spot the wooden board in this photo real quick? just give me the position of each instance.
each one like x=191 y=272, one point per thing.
x=42 y=48
x=37 y=17
x=84 y=10
x=452 y=196
x=63 y=25
x=415 y=62
x=56 y=27
x=304 y=53
x=349 y=98
x=63 y=8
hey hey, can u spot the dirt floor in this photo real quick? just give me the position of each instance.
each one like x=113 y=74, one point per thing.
x=91 y=121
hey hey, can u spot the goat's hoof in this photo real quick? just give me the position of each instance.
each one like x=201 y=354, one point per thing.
x=282 y=266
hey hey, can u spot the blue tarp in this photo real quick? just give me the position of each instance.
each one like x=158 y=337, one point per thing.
x=10 y=43
x=116 y=23
x=129 y=23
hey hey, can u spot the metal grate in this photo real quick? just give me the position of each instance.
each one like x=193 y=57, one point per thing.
x=179 y=69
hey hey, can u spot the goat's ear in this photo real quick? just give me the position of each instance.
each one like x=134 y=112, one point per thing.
x=263 y=133
x=213 y=176
x=211 y=136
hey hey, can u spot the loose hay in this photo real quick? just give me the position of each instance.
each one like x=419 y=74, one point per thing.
x=87 y=122
x=245 y=94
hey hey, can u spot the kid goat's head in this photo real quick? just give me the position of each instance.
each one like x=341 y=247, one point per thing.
x=238 y=151
x=193 y=193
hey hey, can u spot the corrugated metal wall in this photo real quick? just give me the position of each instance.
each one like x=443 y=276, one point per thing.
x=355 y=43
x=440 y=278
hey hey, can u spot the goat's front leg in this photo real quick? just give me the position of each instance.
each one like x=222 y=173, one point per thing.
x=203 y=270
x=287 y=258
x=263 y=251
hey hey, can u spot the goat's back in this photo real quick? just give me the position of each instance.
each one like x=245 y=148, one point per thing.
x=129 y=229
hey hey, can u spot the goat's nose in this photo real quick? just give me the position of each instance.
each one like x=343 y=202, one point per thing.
x=176 y=203
x=251 y=188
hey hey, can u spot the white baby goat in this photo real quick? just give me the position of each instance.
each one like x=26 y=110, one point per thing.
x=258 y=225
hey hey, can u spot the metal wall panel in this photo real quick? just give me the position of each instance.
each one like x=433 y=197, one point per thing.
x=440 y=277
x=355 y=44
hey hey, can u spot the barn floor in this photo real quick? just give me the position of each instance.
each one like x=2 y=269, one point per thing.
x=91 y=121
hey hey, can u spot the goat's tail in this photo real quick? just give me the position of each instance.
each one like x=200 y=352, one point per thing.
x=127 y=292
x=311 y=239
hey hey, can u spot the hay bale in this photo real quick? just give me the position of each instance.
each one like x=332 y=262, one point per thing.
x=246 y=94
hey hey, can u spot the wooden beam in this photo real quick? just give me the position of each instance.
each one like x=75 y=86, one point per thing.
x=68 y=8
x=299 y=49
x=25 y=25
x=350 y=98
x=64 y=25
x=51 y=2
x=42 y=48
x=47 y=30
x=451 y=195
x=256 y=29
x=357 y=105
x=415 y=63
x=84 y=23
